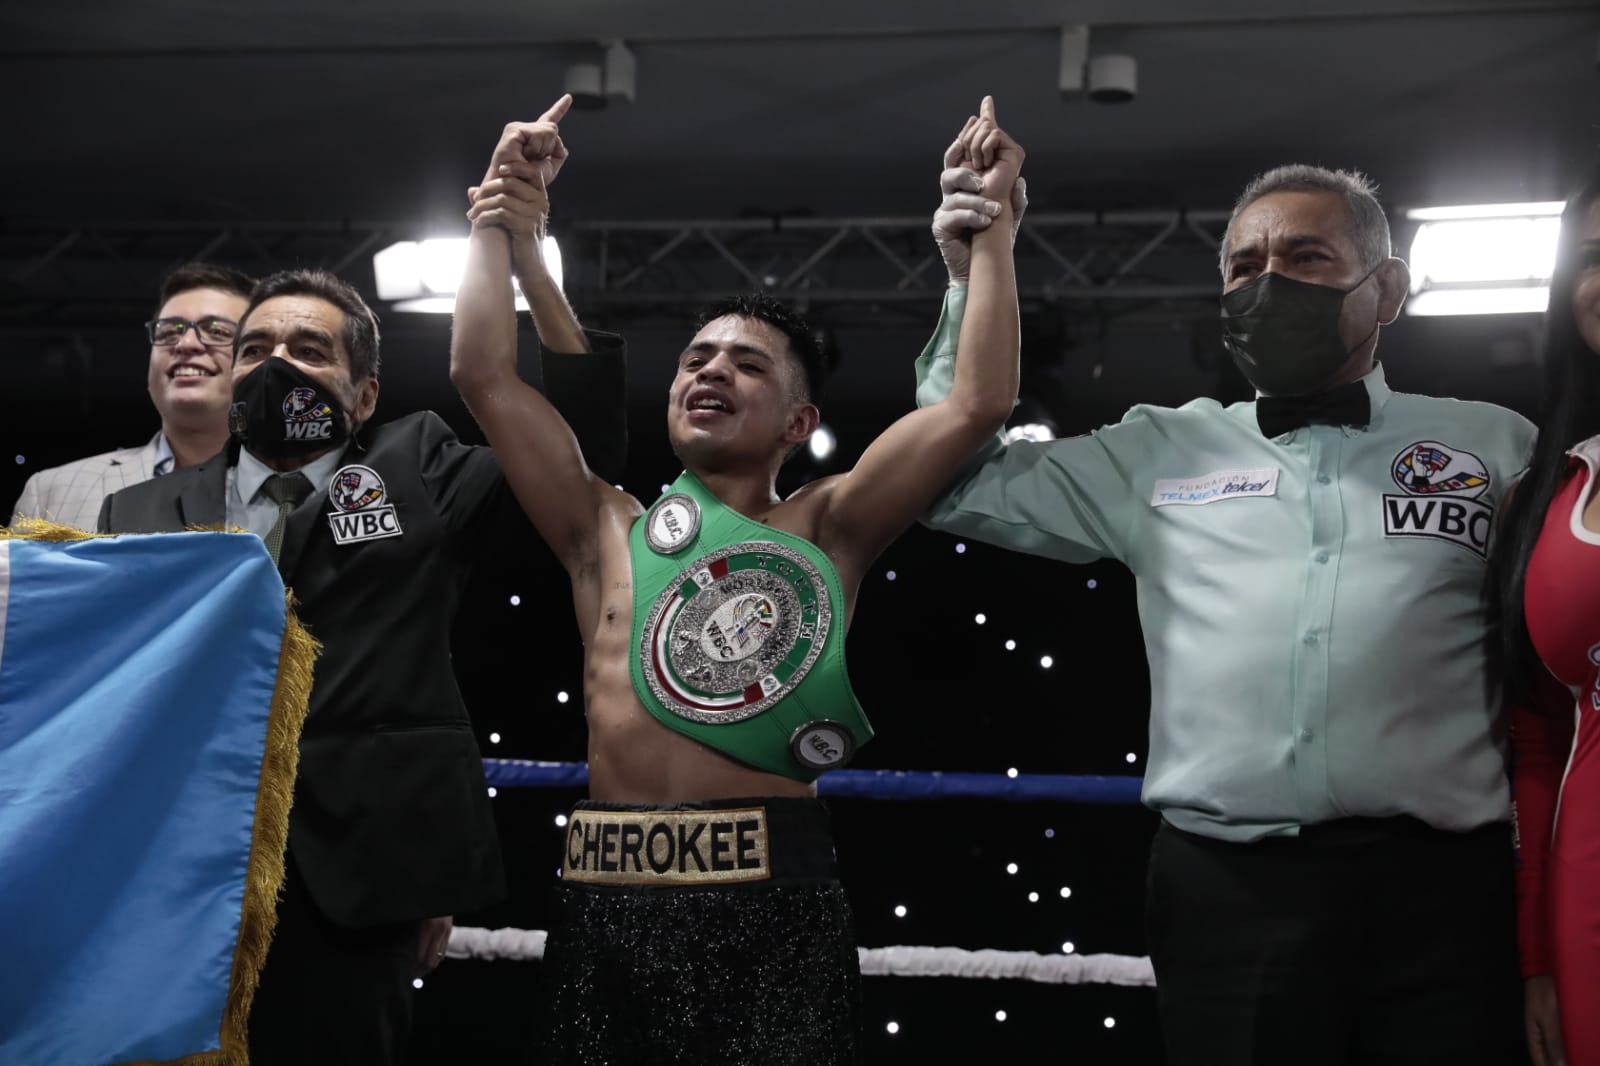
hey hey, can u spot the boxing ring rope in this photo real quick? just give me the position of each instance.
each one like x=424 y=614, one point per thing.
x=467 y=942
x=871 y=784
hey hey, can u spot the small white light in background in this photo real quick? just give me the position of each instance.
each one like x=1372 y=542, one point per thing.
x=1011 y=867
x=1011 y=645
x=1066 y=893
x=1033 y=897
x=900 y=910
x=822 y=443
x=562 y=697
x=1132 y=758
x=1049 y=834
x=1092 y=583
x=980 y=618
x=1111 y=1023
x=999 y=1015
x=416 y=982
x=21 y=460
x=893 y=1028
x=1011 y=771
x=516 y=601
x=494 y=738
x=1068 y=948
x=1035 y=431
x=1046 y=662
x=961 y=549
x=890 y=575
x=561 y=820
x=492 y=792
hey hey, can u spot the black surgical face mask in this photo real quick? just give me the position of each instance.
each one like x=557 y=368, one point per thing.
x=279 y=412
x=1284 y=334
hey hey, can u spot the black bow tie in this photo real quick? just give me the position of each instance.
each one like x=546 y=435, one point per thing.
x=1346 y=405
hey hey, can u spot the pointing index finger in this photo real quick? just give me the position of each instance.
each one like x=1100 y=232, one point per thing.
x=986 y=110
x=558 y=110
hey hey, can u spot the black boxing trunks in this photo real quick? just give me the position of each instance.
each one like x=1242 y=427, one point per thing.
x=701 y=933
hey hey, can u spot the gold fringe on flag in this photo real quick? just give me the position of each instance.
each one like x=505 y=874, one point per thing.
x=39 y=529
x=280 y=761
x=291 y=698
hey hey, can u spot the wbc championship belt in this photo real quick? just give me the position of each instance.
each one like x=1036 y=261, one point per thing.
x=738 y=636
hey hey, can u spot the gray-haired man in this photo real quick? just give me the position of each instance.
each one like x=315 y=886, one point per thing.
x=1331 y=881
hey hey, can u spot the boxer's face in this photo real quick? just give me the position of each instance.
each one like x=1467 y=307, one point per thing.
x=738 y=396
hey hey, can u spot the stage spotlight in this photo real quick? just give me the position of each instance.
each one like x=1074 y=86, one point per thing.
x=1483 y=259
x=424 y=275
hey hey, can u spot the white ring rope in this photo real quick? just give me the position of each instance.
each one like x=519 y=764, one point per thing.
x=467 y=942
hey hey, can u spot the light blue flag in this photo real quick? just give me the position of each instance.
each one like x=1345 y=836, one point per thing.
x=137 y=678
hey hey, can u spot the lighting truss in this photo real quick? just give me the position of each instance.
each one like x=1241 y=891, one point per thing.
x=861 y=272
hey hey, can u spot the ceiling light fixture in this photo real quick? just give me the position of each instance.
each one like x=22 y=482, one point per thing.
x=594 y=85
x=1483 y=259
x=1108 y=79
x=424 y=275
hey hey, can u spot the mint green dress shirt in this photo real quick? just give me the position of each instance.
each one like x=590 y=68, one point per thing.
x=1310 y=603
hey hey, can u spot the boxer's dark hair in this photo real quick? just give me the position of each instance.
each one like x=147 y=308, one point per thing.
x=805 y=343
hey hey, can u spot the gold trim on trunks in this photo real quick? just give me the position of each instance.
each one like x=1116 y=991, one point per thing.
x=700 y=847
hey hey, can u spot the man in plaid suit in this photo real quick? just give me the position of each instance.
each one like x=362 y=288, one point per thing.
x=191 y=384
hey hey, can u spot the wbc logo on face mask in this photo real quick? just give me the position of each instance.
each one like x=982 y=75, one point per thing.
x=359 y=513
x=305 y=417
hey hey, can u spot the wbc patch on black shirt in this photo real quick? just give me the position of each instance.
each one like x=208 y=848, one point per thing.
x=359 y=512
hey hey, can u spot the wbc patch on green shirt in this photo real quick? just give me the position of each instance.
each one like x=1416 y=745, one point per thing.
x=1440 y=499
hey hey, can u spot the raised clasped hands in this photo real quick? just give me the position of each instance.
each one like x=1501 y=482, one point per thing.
x=981 y=181
x=512 y=195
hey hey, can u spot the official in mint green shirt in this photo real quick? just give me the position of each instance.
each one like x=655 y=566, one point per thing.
x=1331 y=884
x=1310 y=602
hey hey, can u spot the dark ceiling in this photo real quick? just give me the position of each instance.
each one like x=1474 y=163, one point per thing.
x=142 y=133
x=166 y=109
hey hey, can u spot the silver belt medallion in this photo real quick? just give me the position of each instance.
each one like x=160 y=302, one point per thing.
x=736 y=632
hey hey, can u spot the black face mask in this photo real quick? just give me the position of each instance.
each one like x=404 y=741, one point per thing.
x=280 y=411
x=1284 y=334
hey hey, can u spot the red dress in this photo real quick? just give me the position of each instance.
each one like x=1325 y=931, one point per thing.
x=1556 y=782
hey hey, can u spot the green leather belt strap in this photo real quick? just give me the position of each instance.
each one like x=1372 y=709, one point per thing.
x=738 y=636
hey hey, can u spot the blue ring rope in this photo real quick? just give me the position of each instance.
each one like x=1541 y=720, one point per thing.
x=875 y=784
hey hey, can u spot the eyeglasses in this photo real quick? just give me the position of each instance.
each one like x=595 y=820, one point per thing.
x=213 y=330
